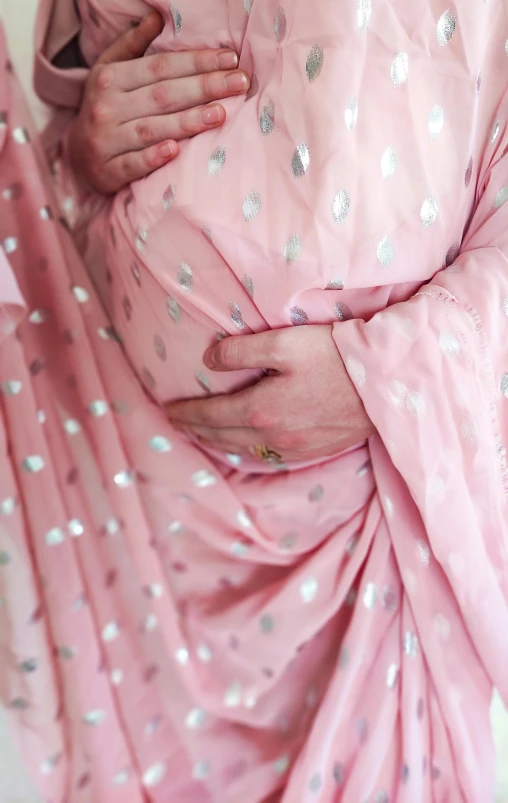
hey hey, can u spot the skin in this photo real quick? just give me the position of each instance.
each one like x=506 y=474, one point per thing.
x=305 y=408
x=135 y=109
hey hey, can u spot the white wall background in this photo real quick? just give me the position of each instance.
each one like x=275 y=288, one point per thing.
x=18 y=16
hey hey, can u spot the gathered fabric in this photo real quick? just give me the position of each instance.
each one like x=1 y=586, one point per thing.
x=184 y=625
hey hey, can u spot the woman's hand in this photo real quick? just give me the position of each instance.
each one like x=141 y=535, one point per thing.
x=135 y=109
x=307 y=408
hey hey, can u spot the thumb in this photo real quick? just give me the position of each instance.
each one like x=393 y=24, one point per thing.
x=236 y=353
x=134 y=42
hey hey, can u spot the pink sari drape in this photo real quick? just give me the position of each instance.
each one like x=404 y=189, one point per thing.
x=181 y=626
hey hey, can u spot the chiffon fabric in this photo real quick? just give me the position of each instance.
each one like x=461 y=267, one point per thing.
x=182 y=626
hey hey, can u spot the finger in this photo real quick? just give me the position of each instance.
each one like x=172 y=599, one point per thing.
x=134 y=165
x=168 y=66
x=134 y=42
x=216 y=413
x=168 y=97
x=237 y=440
x=140 y=134
x=264 y=350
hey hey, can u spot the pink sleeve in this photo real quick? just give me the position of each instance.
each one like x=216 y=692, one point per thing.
x=433 y=375
x=57 y=24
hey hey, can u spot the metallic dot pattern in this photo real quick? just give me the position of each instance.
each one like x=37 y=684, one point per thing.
x=267 y=119
x=314 y=63
x=301 y=160
x=400 y=69
x=385 y=252
x=280 y=24
x=251 y=205
x=292 y=249
x=446 y=27
x=351 y=114
x=298 y=316
x=216 y=161
x=185 y=277
x=429 y=211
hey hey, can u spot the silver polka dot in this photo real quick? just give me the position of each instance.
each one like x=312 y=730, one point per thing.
x=124 y=478
x=201 y=770
x=315 y=782
x=449 y=344
x=150 y=623
x=494 y=132
x=177 y=19
x=505 y=306
x=266 y=623
x=298 y=316
x=234 y=459
x=233 y=694
x=98 y=408
x=33 y=464
x=351 y=113
x=415 y=404
x=15 y=191
x=337 y=283
x=173 y=309
x=504 y=385
x=195 y=718
x=389 y=599
x=248 y=283
x=410 y=644
x=72 y=427
x=154 y=774
x=41 y=417
x=243 y=519
x=267 y=119
x=423 y=552
x=388 y=162
x=19 y=704
x=29 y=665
x=154 y=590
x=314 y=63
x=392 y=674
x=309 y=589
x=203 y=381
x=185 y=278
x=436 y=121
x=501 y=197
x=66 y=652
x=216 y=161
x=12 y=387
x=204 y=653
x=281 y=764
x=110 y=632
x=250 y=700
x=116 y=677
x=5 y=558
x=446 y=27
x=247 y=4
x=385 y=252
x=39 y=316
x=160 y=444
x=356 y=370
x=251 y=205
x=122 y=777
x=80 y=294
x=204 y=478
x=370 y=596
x=338 y=773
x=49 y=765
x=168 y=198
x=301 y=160
x=182 y=656
x=381 y=797
x=8 y=506
x=341 y=205
x=280 y=24
x=21 y=136
x=429 y=211
x=469 y=173
x=240 y=548
x=236 y=315
x=160 y=347
x=316 y=493
x=399 y=69
x=95 y=717
x=10 y=245
x=3 y=120
x=342 y=311
x=293 y=249
x=76 y=528
x=363 y=14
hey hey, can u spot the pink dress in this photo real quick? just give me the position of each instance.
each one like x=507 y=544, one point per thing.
x=183 y=627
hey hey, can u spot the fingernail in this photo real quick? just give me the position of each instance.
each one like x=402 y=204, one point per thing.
x=167 y=150
x=227 y=60
x=209 y=359
x=236 y=82
x=211 y=115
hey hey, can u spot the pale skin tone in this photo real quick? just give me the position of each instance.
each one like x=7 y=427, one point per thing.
x=134 y=112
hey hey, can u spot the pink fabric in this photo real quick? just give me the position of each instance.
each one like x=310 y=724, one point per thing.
x=180 y=626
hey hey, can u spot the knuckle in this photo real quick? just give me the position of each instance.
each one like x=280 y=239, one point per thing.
x=201 y=62
x=150 y=159
x=228 y=352
x=144 y=132
x=158 y=65
x=188 y=123
x=160 y=96
x=104 y=77
x=206 y=85
x=258 y=418
x=98 y=112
